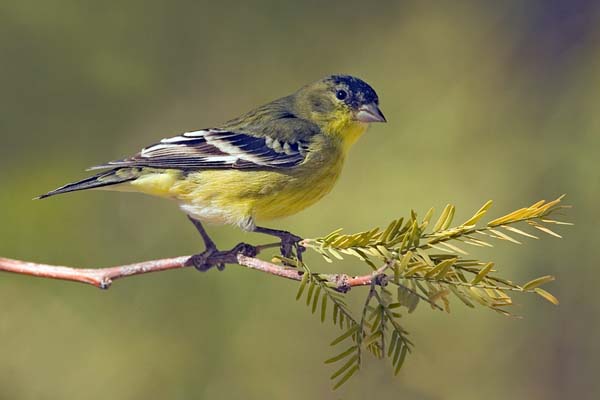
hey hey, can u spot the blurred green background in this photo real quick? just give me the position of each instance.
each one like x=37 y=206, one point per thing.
x=485 y=100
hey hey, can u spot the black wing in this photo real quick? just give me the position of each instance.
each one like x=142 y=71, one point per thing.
x=216 y=149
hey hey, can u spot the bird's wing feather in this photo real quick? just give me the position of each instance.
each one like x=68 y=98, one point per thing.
x=216 y=149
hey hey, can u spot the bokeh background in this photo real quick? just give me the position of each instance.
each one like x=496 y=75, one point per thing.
x=485 y=100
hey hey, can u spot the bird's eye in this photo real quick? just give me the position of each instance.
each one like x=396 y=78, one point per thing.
x=341 y=94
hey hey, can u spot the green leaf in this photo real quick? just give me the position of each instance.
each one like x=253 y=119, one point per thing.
x=401 y=359
x=538 y=282
x=415 y=269
x=394 y=232
x=327 y=258
x=482 y=273
x=323 y=308
x=401 y=266
x=449 y=218
x=344 y=367
x=551 y=221
x=302 y=284
x=316 y=299
x=384 y=252
x=444 y=267
x=413 y=302
x=425 y=257
x=332 y=235
x=344 y=335
x=427 y=218
x=373 y=338
x=439 y=225
x=454 y=248
x=394 y=341
x=377 y=321
x=502 y=235
x=546 y=295
x=311 y=289
x=478 y=296
x=355 y=253
x=342 y=355
x=461 y=296
x=335 y=254
x=479 y=241
x=336 y=310
x=546 y=230
x=477 y=216
x=398 y=350
x=520 y=232
x=386 y=234
x=346 y=377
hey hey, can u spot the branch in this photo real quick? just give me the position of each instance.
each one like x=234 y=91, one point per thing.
x=103 y=277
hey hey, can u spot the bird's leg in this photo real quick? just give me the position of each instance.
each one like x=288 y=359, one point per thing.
x=211 y=256
x=208 y=242
x=289 y=241
x=200 y=261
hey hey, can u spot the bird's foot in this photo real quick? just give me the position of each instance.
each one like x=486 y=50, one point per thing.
x=205 y=260
x=211 y=257
x=290 y=243
x=244 y=249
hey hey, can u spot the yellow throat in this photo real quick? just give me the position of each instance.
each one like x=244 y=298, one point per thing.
x=346 y=130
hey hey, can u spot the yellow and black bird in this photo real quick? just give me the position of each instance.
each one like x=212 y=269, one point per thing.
x=271 y=162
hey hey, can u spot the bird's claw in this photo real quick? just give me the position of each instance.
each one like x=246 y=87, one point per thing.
x=245 y=249
x=200 y=261
x=291 y=243
x=211 y=257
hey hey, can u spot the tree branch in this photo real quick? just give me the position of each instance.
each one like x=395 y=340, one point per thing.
x=103 y=277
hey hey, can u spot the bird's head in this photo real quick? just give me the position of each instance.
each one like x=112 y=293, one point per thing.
x=340 y=104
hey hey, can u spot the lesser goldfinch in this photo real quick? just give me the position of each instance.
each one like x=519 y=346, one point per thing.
x=271 y=162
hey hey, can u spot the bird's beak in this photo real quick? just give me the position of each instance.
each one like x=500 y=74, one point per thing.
x=370 y=113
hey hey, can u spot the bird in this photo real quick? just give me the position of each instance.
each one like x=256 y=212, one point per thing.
x=271 y=162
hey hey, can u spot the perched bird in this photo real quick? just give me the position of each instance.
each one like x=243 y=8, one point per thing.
x=271 y=162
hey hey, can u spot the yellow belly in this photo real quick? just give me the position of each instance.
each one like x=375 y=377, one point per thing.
x=239 y=197
x=259 y=195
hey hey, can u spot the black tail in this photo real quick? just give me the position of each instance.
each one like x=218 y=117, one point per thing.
x=107 y=178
